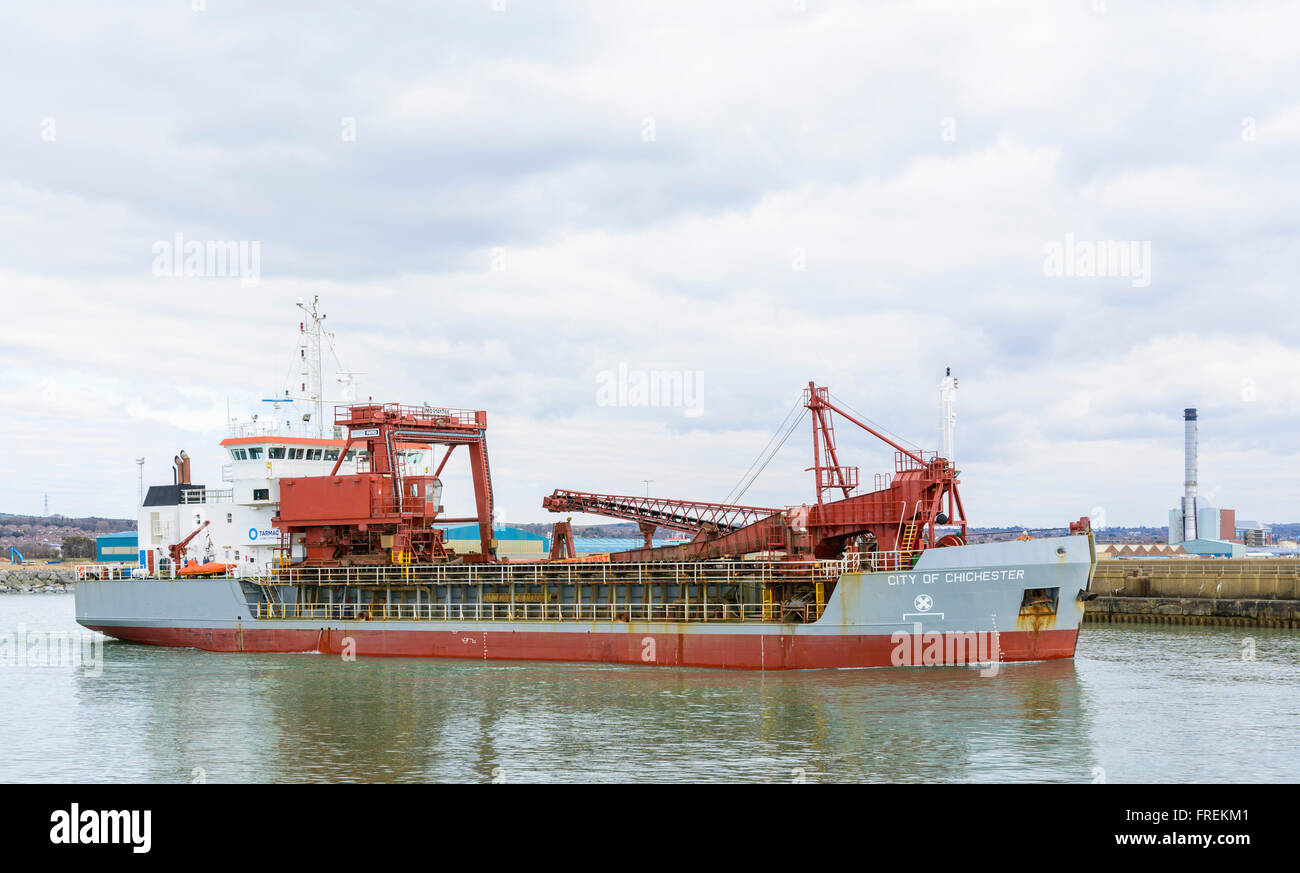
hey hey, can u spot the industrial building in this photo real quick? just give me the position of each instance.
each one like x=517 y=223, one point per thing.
x=1252 y=533
x=117 y=547
x=1139 y=550
x=1196 y=526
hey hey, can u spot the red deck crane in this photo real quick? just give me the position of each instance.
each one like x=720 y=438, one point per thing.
x=177 y=551
x=901 y=517
x=385 y=515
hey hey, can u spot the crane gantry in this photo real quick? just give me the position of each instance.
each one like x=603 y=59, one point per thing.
x=901 y=515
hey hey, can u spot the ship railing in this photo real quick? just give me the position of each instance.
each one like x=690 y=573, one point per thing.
x=104 y=572
x=903 y=461
x=358 y=414
x=539 y=611
x=871 y=562
x=267 y=429
x=208 y=495
x=133 y=572
x=694 y=572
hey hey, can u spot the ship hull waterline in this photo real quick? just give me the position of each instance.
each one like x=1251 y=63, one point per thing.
x=960 y=605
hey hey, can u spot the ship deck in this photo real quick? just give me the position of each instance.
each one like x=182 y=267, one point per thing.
x=710 y=591
x=577 y=572
x=701 y=591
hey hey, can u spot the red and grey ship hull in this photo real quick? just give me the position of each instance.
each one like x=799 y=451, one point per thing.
x=1008 y=601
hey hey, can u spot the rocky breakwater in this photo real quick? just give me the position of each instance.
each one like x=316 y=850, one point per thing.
x=36 y=580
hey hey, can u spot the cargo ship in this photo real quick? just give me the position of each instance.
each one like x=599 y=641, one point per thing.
x=333 y=543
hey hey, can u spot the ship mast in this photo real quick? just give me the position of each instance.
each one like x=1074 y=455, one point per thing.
x=947 y=417
x=310 y=355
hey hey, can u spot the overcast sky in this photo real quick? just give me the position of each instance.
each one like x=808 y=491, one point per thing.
x=497 y=202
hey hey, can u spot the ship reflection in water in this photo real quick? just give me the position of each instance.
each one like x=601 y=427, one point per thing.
x=313 y=718
x=1139 y=703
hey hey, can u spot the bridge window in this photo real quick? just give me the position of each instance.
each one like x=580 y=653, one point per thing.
x=313 y=454
x=295 y=454
x=277 y=453
x=239 y=454
x=255 y=453
x=351 y=455
x=331 y=454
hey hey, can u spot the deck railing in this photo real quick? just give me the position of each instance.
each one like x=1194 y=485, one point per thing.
x=208 y=495
x=543 y=612
x=104 y=571
x=700 y=572
x=560 y=572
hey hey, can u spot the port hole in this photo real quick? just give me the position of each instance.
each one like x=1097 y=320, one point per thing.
x=1040 y=601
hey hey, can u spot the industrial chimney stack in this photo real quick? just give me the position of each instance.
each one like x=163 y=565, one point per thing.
x=1189 y=474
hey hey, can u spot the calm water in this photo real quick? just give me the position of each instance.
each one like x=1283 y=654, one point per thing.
x=1160 y=704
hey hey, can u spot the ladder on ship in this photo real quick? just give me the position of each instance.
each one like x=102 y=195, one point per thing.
x=271 y=599
x=906 y=544
x=399 y=478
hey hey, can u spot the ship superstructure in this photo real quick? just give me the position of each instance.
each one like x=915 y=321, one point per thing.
x=234 y=519
x=230 y=522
